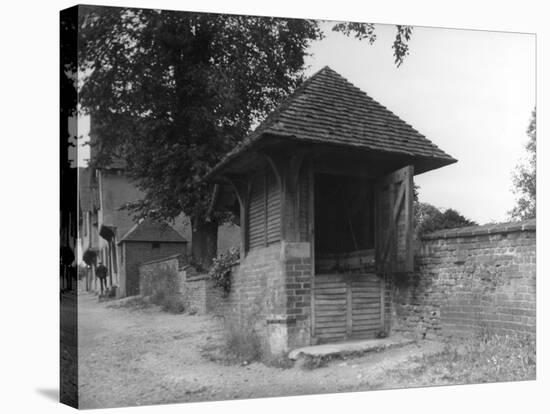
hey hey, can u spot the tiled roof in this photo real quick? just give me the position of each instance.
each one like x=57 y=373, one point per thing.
x=152 y=231
x=327 y=108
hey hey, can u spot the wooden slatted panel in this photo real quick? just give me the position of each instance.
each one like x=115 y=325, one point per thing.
x=366 y=306
x=273 y=209
x=303 y=203
x=347 y=306
x=256 y=214
x=330 y=308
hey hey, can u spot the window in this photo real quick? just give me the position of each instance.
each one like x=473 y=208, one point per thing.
x=155 y=245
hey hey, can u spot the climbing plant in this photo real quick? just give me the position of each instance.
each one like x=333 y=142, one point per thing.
x=220 y=271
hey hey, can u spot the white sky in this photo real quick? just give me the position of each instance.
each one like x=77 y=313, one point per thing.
x=470 y=92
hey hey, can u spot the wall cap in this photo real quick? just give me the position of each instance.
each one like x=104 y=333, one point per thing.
x=487 y=229
x=162 y=259
x=197 y=278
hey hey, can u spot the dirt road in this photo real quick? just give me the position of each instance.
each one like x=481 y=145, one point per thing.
x=140 y=357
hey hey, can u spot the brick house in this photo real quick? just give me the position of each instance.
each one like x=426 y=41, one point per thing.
x=325 y=190
x=145 y=241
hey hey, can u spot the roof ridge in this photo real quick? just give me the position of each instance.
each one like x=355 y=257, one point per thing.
x=148 y=225
x=328 y=108
x=273 y=116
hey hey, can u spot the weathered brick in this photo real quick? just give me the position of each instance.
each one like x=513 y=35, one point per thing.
x=480 y=278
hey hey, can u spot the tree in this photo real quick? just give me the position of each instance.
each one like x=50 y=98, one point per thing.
x=429 y=218
x=171 y=92
x=525 y=177
x=367 y=31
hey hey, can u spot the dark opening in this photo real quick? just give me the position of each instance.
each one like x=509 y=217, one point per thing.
x=156 y=245
x=344 y=220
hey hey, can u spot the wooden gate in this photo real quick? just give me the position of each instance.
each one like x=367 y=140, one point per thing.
x=348 y=306
x=357 y=305
x=394 y=222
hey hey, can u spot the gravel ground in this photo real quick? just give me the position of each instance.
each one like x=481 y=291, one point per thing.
x=140 y=357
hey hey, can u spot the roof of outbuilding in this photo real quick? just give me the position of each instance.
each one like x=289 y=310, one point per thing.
x=327 y=108
x=149 y=230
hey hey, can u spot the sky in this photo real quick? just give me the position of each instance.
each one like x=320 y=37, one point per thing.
x=469 y=92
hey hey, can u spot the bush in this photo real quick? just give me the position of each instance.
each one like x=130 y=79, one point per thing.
x=220 y=271
x=173 y=304
x=242 y=342
x=158 y=297
x=309 y=362
x=429 y=218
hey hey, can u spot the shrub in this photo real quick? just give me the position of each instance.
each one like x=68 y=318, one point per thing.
x=173 y=304
x=280 y=361
x=220 y=271
x=242 y=342
x=429 y=218
x=158 y=297
x=309 y=362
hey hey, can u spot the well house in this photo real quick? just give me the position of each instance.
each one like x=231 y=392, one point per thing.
x=325 y=196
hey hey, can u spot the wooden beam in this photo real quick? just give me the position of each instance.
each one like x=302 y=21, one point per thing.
x=383 y=302
x=311 y=235
x=349 y=307
x=241 y=187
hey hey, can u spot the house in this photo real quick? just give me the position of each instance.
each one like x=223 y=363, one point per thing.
x=325 y=190
x=68 y=229
x=88 y=235
x=145 y=241
x=103 y=192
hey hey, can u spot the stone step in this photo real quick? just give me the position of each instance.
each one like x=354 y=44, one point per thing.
x=341 y=349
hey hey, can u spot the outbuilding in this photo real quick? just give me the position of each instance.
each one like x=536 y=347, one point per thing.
x=147 y=240
x=325 y=194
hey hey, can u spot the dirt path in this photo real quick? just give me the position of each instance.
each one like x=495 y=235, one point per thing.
x=146 y=356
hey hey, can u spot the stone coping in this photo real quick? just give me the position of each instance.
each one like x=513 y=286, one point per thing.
x=197 y=278
x=162 y=259
x=487 y=229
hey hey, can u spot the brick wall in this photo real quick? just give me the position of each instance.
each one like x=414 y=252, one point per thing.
x=200 y=294
x=298 y=291
x=258 y=290
x=470 y=278
x=270 y=291
x=162 y=275
x=173 y=277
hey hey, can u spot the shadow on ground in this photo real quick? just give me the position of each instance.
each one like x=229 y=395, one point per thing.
x=49 y=393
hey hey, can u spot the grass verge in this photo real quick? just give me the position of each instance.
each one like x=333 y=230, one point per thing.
x=482 y=358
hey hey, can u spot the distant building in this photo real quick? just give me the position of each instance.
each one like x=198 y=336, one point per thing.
x=103 y=222
x=88 y=235
x=145 y=241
